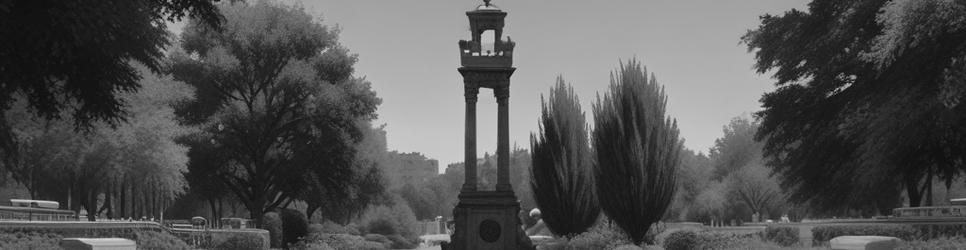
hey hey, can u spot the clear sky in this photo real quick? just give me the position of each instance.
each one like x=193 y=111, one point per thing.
x=408 y=50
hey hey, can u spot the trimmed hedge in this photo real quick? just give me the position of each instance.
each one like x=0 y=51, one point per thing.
x=943 y=243
x=30 y=240
x=272 y=222
x=330 y=227
x=681 y=240
x=241 y=242
x=294 y=226
x=822 y=234
x=782 y=235
x=943 y=231
x=150 y=240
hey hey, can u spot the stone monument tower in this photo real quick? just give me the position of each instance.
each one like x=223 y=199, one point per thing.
x=487 y=219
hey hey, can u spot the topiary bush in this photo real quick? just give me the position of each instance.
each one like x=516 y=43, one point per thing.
x=272 y=222
x=681 y=240
x=294 y=226
x=561 y=173
x=151 y=240
x=822 y=234
x=637 y=148
x=781 y=235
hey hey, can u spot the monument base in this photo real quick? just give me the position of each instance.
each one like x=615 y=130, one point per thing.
x=487 y=220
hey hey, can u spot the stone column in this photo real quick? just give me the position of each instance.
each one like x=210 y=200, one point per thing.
x=469 y=161
x=503 y=139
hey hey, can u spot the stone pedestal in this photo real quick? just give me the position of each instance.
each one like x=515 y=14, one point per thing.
x=487 y=220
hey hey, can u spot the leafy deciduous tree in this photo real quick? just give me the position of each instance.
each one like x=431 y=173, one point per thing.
x=869 y=98
x=275 y=97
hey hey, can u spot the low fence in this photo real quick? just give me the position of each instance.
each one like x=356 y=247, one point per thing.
x=431 y=227
x=210 y=238
x=128 y=229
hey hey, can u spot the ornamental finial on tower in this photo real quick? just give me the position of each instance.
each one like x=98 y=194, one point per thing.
x=486 y=2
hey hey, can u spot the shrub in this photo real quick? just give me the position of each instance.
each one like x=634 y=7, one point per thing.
x=589 y=241
x=349 y=242
x=562 y=181
x=30 y=240
x=330 y=227
x=294 y=226
x=382 y=239
x=628 y=247
x=656 y=229
x=273 y=223
x=942 y=243
x=681 y=240
x=781 y=235
x=637 y=150
x=353 y=229
x=822 y=234
x=717 y=240
x=241 y=242
x=316 y=245
x=151 y=240
x=398 y=219
x=398 y=242
x=381 y=225
x=941 y=231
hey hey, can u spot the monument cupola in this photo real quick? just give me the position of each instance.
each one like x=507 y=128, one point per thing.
x=474 y=53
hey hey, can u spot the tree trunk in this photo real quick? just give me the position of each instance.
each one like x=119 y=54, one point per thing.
x=912 y=190
x=310 y=209
x=928 y=187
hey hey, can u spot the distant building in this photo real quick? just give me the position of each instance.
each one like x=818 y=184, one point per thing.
x=403 y=168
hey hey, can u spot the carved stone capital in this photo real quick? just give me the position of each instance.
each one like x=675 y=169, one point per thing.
x=470 y=92
x=502 y=94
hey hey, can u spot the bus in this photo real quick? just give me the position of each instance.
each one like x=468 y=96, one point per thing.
x=35 y=210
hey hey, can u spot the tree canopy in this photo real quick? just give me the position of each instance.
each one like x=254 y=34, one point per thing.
x=869 y=98
x=75 y=55
x=139 y=157
x=275 y=97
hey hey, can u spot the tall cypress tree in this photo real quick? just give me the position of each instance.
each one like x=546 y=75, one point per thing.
x=562 y=180
x=637 y=150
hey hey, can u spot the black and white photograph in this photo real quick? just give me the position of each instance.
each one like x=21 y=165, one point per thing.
x=482 y=124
